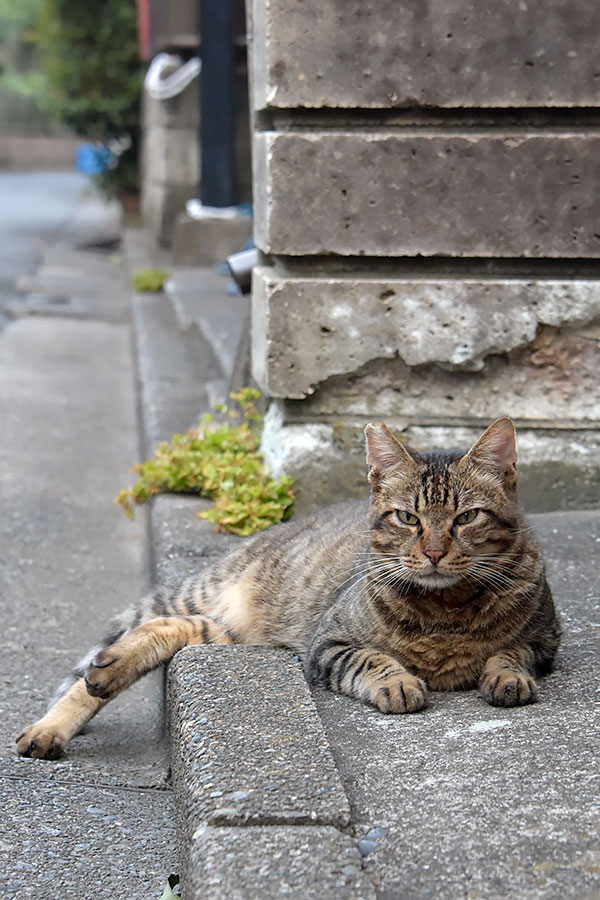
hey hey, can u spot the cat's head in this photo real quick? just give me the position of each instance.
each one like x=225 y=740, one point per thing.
x=443 y=513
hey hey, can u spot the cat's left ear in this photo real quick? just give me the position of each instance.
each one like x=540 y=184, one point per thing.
x=496 y=448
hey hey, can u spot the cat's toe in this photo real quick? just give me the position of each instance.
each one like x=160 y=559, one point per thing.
x=402 y=694
x=40 y=743
x=508 y=689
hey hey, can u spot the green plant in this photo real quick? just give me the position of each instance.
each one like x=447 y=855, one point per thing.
x=94 y=77
x=220 y=461
x=149 y=280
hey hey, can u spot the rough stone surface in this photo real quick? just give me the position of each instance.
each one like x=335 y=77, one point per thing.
x=306 y=863
x=256 y=756
x=172 y=156
x=202 y=298
x=559 y=468
x=550 y=382
x=308 y=329
x=182 y=542
x=482 y=802
x=161 y=204
x=425 y=53
x=174 y=367
x=74 y=841
x=100 y=817
x=204 y=242
x=407 y=193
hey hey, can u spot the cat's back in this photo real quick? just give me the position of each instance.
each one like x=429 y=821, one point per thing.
x=273 y=588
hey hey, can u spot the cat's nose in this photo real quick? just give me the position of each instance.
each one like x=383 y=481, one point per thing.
x=434 y=553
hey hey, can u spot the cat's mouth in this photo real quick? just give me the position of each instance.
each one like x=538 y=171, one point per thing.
x=436 y=579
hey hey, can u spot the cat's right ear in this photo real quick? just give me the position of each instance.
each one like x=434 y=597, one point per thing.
x=384 y=451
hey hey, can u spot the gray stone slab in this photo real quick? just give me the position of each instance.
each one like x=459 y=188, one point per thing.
x=204 y=242
x=482 y=802
x=425 y=53
x=309 y=329
x=182 y=542
x=201 y=297
x=306 y=863
x=248 y=746
x=407 y=193
x=559 y=461
x=74 y=842
x=173 y=368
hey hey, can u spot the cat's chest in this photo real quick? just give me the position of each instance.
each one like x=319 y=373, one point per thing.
x=446 y=659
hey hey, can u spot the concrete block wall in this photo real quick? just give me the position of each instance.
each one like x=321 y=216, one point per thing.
x=170 y=159
x=426 y=205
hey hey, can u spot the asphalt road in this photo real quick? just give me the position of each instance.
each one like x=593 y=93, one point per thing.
x=35 y=208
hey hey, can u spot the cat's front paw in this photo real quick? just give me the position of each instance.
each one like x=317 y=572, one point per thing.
x=41 y=742
x=104 y=677
x=402 y=693
x=507 y=688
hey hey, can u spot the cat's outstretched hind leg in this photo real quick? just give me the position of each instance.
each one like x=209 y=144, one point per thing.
x=146 y=647
x=112 y=669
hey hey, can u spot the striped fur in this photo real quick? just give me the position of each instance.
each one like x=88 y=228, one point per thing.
x=436 y=583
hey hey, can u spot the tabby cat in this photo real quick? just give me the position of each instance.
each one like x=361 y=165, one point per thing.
x=439 y=583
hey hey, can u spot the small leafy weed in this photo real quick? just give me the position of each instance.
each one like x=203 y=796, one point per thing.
x=219 y=461
x=149 y=280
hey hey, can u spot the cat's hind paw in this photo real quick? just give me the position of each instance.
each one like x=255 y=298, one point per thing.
x=507 y=688
x=40 y=742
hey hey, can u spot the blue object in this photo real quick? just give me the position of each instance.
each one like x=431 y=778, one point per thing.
x=90 y=159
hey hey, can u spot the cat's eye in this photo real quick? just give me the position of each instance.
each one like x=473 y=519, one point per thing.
x=466 y=517
x=406 y=518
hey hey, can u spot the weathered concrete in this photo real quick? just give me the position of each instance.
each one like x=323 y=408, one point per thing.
x=255 y=863
x=202 y=298
x=204 y=242
x=559 y=467
x=308 y=329
x=252 y=757
x=170 y=159
x=101 y=816
x=74 y=841
x=183 y=543
x=482 y=802
x=408 y=193
x=174 y=367
x=441 y=53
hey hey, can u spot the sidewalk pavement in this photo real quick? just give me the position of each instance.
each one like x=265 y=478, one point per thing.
x=284 y=792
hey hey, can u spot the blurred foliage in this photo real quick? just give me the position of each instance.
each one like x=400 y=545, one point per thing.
x=220 y=461
x=149 y=280
x=94 y=77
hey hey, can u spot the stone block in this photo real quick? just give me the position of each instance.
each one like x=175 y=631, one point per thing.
x=249 y=748
x=161 y=203
x=172 y=156
x=204 y=242
x=182 y=111
x=307 y=330
x=444 y=53
x=559 y=463
x=305 y=863
x=406 y=193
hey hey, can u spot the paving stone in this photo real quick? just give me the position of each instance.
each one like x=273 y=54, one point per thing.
x=485 y=802
x=248 y=747
x=306 y=863
x=75 y=841
x=444 y=53
x=406 y=193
